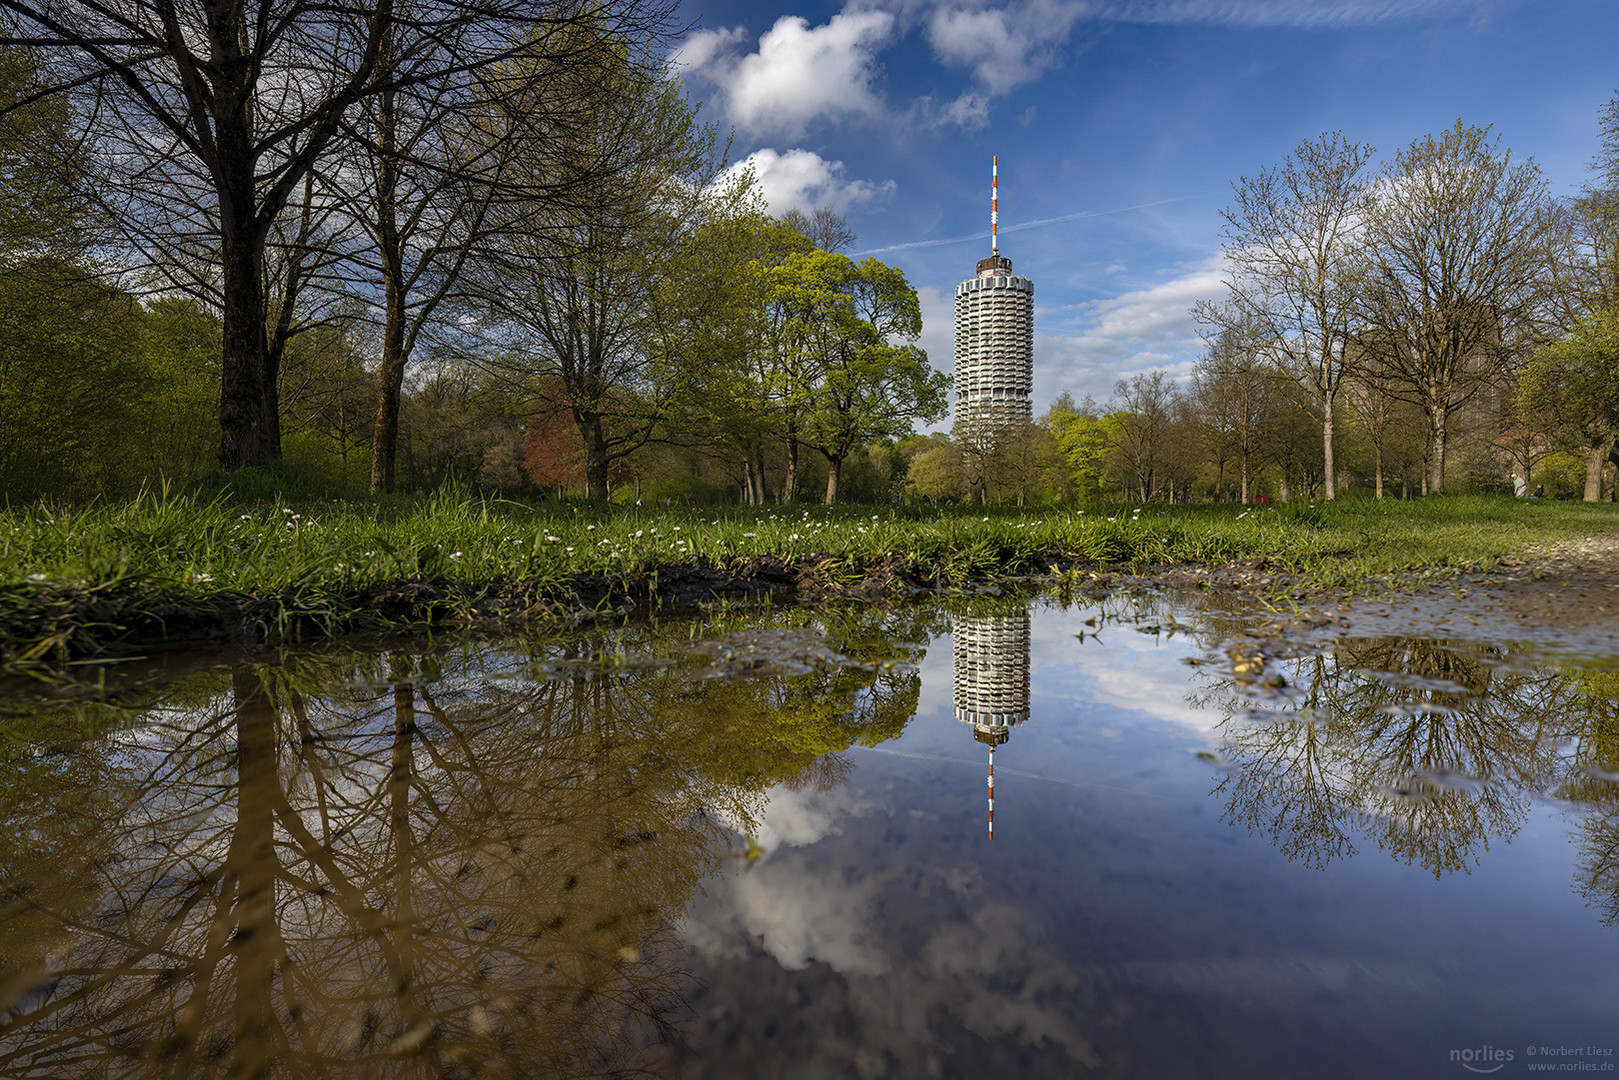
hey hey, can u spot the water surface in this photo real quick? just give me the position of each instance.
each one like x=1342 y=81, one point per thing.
x=769 y=846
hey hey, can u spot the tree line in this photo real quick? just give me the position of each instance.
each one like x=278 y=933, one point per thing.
x=1443 y=292
x=379 y=246
x=1433 y=322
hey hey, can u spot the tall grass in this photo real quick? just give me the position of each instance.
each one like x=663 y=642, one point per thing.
x=164 y=551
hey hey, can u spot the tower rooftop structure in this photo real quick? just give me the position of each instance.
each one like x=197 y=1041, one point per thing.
x=994 y=347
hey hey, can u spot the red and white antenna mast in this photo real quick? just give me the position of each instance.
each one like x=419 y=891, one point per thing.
x=994 y=204
x=992 y=791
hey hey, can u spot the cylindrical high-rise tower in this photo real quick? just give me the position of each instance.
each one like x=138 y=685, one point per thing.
x=994 y=372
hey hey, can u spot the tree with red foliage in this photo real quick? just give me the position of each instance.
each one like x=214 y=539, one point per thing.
x=553 y=454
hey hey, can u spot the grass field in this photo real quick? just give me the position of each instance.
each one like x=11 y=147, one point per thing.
x=73 y=580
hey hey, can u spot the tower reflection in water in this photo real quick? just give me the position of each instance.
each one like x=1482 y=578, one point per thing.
x=990 y=673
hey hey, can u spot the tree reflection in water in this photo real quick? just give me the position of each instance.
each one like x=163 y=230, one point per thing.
x=396 y=866
x=1595 y=782
x=1430 y=748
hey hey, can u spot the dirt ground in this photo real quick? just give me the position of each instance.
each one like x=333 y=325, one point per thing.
x=1564 y=596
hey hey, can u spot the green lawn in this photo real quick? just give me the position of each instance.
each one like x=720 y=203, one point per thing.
x=69 y=579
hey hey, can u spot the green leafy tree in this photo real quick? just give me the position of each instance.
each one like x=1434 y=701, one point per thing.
x=71 y=377
x=173 y=431
x=1572 y=385
x=40 y=211
x=98 y=393
x=1086 y=439
x=935 y=474
x=1575 y=383
x=327 y=400
x=859 y=380
x=715 y=334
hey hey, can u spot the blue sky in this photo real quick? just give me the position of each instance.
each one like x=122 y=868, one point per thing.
x=1120 y=125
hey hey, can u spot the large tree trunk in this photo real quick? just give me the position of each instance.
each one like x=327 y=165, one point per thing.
x=249 y=409
x=391 y=375
x=591 y=434
x=249 y=424
x=1377 y=465
x=834 y=466
x=1595 y=458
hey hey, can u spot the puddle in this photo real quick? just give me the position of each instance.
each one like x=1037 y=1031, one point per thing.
x=1114 y=838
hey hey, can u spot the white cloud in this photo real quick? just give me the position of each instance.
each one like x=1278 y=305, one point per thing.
x=706 y=46
x=802 y=73
x=795 y=919
x=795 y=818
x=970 y=111
x=1135 y=332
x=1006 y=46
x=799 y=74
x=803 y=180
x=938 y=326
x=1160 y=315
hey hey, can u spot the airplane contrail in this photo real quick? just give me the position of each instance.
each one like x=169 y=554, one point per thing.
x=1026 y=225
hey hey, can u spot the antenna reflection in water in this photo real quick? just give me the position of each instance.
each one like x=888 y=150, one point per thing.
x=518 y=859
x=990 y=680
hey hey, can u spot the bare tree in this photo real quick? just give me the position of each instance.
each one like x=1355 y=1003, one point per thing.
x=1148 y=402
x=434 y=165
x=1233 y=391
x=1454 y=273
x=1392 y=429
x=1289 y=241
x=419 y=185
x=567 y=286
x=222 y=109
x=823 y=227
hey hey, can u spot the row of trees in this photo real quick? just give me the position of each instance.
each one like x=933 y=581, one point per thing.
x=1447 y=280
x=1222 y=437
x=368 y=207
x=1437 y=321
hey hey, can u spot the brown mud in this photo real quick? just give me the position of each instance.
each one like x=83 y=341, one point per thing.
x=1564 y=596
